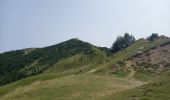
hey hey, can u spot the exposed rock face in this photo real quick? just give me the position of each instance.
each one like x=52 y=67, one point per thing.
x=156 y=55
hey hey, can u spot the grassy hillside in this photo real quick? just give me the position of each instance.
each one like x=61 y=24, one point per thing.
x=19 y=64
x=82 y=87
x=94 y=74
x=157 y=89
x=120 y=57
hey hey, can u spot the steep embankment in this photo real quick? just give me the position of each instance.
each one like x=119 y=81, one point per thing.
x=154 y=60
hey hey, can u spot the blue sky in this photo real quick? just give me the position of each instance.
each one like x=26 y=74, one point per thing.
x=39 y=23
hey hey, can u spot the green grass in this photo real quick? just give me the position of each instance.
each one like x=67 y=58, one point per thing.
x=12 y=86
x=74 y=62
x=91 y=87
x=79 y=87
x=64 y=67
x=128 y=52
x=122 y=55
x=157 y=89
x=81 y=77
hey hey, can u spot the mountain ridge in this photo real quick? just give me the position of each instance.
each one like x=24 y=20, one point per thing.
x=101 y=73
x=45 y=57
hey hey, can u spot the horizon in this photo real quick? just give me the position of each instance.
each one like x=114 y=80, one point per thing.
x=41 y=23
x=71 y=39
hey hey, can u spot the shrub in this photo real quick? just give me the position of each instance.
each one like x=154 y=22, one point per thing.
x=153 y=37
x=122 y=42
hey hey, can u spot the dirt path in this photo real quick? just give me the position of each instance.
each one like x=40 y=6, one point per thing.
x=131 y=74
x=129 y=66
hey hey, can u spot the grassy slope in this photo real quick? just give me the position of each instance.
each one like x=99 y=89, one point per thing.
x=126 y=53
x=60 y=81
x=12 y=86
x=157 y=89
x=78 y=87
x=65 y=67
x=20 y=64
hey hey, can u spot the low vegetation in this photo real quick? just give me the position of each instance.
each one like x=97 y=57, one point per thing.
x=76 y=70
x=16 y=65
x=122 y=42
